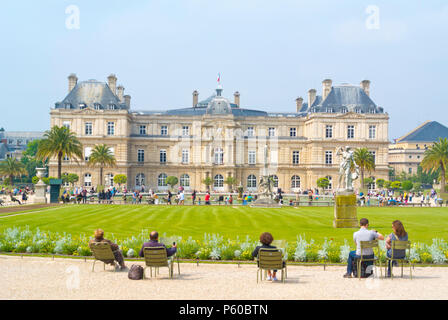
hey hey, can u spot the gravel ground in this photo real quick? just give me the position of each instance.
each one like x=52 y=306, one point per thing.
x=43 y=278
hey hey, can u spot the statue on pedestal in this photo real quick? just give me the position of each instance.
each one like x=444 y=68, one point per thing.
x=348 y=169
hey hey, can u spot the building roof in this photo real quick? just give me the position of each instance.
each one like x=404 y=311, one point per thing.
x=429 y=131
x=344 y=98
x=93 y=94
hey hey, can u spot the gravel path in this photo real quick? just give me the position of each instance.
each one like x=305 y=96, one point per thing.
x=43 y=278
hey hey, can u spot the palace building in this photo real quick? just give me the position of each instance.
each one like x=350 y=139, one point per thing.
x=218 y=138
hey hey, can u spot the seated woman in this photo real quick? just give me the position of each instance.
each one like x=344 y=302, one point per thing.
x=398 y=234
x=266 y=239
x=99 y=237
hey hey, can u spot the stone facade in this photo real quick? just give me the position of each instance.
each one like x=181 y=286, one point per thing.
x=217 y=138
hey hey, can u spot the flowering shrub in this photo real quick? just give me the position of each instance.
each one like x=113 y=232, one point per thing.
x=211 y=247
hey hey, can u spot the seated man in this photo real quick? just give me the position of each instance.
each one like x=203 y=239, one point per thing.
x=99 y=237
x=154 y=242
x=362 y=235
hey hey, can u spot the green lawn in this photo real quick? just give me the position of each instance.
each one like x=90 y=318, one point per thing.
x=422 y=224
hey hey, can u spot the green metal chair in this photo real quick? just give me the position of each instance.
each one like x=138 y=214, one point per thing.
x=102 y=252
x=270 y=259
x=369 y=245
x=399 y=245
x=155 y=257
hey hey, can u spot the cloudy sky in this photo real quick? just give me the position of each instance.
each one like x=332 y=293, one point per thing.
x=270 y=51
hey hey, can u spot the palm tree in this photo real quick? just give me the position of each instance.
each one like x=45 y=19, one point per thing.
x=436 y=157
x=59 y=142
x=11 y=167
x=364 y=159
x=103 y=157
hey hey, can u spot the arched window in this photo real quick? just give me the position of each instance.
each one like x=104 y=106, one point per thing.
x=87 y=180
x=295 y=182
x=275 y=178
x=330 y=184
x=251 y=181
x=109 y=179
x=139 y=179
x=185 y=180
x=161 y=181
x=218 y=181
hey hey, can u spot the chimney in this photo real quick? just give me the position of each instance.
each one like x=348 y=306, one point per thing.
x=326 y=88
x=365 y=85
x=299 y=102
x=112 y=82
x=127 y=101
x=120 y=92
x=311 y=97
x=195 y=98
x=236 y=97
x=72 y=80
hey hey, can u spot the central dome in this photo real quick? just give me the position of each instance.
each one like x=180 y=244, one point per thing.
x=219 y=104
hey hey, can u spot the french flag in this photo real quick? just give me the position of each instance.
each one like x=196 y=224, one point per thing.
x=219 y=77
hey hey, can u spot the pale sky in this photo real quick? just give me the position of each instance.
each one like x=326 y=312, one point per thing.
x=270 y=51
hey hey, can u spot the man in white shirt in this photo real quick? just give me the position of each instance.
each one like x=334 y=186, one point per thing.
x=362 y=235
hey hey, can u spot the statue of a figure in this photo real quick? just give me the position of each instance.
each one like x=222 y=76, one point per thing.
x=265 y=187
x=348 y=169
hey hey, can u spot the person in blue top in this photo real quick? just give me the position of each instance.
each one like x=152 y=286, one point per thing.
x=398 y=234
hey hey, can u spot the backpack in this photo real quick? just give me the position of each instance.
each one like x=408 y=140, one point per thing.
x=136 y=272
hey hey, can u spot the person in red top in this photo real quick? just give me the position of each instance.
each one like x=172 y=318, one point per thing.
x=207 y=198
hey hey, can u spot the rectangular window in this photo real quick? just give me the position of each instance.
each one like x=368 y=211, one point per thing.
x=164 y=130
x=350 y=132
x=272 y=132
x=110 y=128
x=185 y=131
x=87 y=152
x=328 y=131
x=219 y=156
x=372 y=132
x=162 y=156
x=252 y=157
x=142 y=129
x=410 y=170
x=185 y=155
x=328 y=157
x=141 y=155
x=295 y=157
x=292 y=132
x=373 y=153
x=66 y=158
x=250 y=131
x=88 y=128
x=66 y=124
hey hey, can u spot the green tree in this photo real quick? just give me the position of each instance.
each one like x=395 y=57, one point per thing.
x=59 y=142
x=380 y=183
x=407 y=185
x=387 y=184
x=120 y=179
x=102 y=157
x=368 y=181
x=323 y=183
x=30 y=160
x=417 y=186
x=365 y=161
x=435 y=158
x=11 y=168
x=230 y=181
x=70 y=178
x=395 y=185
x=172 y=181
x=208 y=182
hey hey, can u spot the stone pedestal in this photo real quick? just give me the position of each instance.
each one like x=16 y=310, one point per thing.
x=345 y=210
x=40 y=190
x=266 y=203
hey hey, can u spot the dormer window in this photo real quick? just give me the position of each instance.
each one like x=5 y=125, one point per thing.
x=344 y=110
x=68 y=106
x=112 y=106
x=358 y=110
x=372 y=110
x=82 y=106
x=97 y=106
x=330 y=109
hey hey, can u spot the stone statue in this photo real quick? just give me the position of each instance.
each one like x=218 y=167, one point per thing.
x=348 y=169
x=265 y=187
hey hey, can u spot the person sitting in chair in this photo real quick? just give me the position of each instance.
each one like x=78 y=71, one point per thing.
x=362 y=235
x=398 y=234
x=154 y=242
x=99 y=237
x=266 y=239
